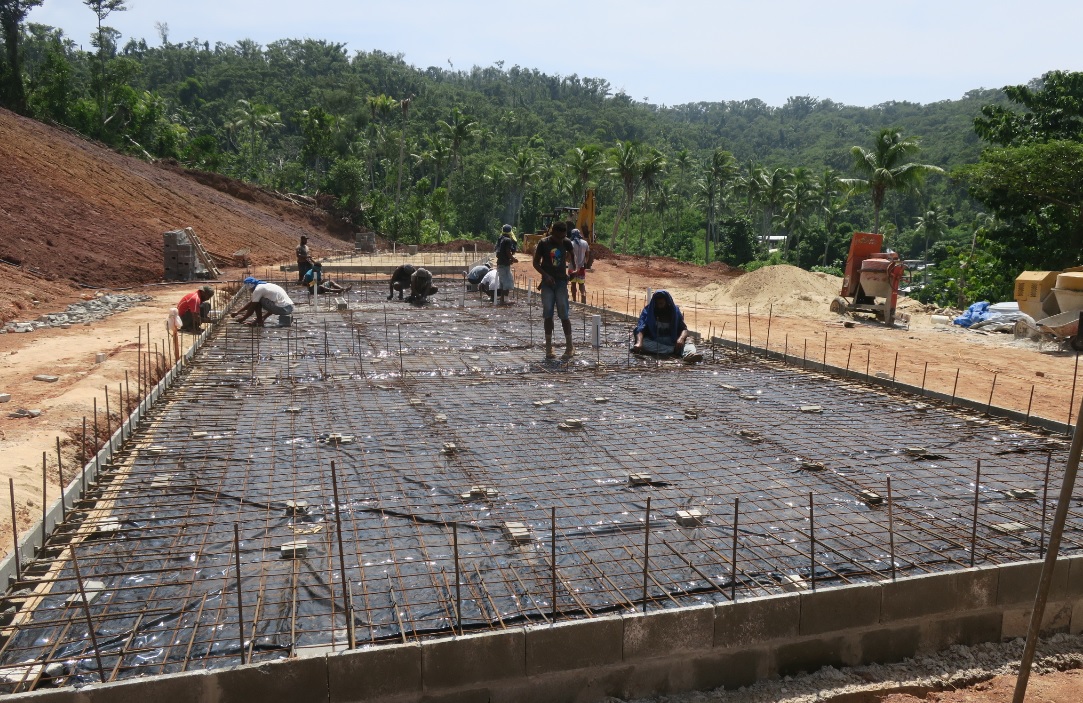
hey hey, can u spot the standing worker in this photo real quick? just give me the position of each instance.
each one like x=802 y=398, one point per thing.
x=194 y=309
x=577 y=265
x=506 y=247
x=267 y=299
x=551 y=261
x=304 y=259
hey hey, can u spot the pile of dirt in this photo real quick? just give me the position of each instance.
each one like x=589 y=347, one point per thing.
x=73 y=210
x=788 y=289
x=602 y=252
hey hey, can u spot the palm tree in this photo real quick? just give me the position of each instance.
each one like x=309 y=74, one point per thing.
x=830 y=205
x=404 y=106
x=652 y=167
x=720 y=172
x=624 y=163
x=523 y=170
x=460 y=131
x=585 y=164
x=885 y=167
x=253 y=119
x=931 y=226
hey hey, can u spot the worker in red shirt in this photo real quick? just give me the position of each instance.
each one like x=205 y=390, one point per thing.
x=194 y=308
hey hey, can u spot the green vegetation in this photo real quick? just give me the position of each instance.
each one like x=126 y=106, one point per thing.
x=427 y=154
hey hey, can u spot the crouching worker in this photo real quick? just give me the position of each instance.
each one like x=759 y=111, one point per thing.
x=267 y=299
x=318 y=284
x=400 y=280
x=421 y=287
x=490 y=283
x=475 y=275
x=661 y=330
x=195 y=309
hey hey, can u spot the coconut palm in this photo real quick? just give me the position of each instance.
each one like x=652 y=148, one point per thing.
x=523 y=170
x=624 y=163
x=652 y=167
x=585 y=164
x=885 y=167
x=252 y=120
x=931 y=226
x=459 y=131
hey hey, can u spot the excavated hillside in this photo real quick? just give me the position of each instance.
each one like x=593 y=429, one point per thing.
x=74 y=212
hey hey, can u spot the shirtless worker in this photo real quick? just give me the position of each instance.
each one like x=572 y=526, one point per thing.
x=400 y=280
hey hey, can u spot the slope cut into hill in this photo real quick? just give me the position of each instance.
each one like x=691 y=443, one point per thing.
x=73 y=210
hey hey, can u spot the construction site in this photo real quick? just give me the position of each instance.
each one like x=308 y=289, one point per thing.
x=394 y=502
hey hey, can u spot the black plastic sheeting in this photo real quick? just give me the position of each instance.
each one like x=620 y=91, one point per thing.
x=264 y=413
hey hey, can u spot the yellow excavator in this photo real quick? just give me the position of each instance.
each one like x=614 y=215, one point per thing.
x=582 y=217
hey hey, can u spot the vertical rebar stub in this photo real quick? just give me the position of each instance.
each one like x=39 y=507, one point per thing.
x=297 y=549
x=516 y=532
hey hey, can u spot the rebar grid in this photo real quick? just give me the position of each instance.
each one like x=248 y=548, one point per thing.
x=419 y=406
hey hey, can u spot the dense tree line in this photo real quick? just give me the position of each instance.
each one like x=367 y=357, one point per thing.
x=423 y=154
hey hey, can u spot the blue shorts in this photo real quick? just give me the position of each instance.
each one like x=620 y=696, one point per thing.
x=555 y=295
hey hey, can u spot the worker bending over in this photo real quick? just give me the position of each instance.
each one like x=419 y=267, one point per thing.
x=400 y=280
x=267 y=299
x=489 y=284
x=551 y=261
x=661 y=330
x=474 y=275
x=195 y=309
x=421 y=287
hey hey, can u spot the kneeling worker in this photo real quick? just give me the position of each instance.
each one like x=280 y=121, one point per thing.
x=421 y=287
x=661 y=330
x=318 y=284
x=195 y=309
x=490 y=283
x=400 y=280
x=267 y=299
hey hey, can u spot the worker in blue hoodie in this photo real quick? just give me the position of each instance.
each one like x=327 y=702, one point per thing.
x=661 y=330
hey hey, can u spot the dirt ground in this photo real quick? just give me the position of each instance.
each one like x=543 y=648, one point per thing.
x=73 y=215
x=1059 y=687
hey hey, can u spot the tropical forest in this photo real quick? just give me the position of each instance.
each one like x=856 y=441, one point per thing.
x=979 y=188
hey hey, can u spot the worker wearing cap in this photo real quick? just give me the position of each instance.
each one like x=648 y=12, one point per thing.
x=267 y=299
x=506 y=247
x=316 y=282
x=661 y=330
x=577 y=264
x=194 y=309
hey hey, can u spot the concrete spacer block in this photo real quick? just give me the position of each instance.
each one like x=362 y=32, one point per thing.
x=833 y=609
x=918 y=596
x=294 y=680
x=664 y=632
x=5 y=397
x=977 y=588
x=573 y=645
x=1056 y=618
x=1019 y=582
x=473 y=659
x=46 y=378
x=373 y=673
x=756 y=620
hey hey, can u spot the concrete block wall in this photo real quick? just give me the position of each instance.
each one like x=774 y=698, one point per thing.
x=642 y=654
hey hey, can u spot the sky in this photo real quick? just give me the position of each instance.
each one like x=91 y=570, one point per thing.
x=853 y=52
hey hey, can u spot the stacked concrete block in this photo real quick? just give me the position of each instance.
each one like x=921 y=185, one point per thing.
x=365 y=242
x=180 y=258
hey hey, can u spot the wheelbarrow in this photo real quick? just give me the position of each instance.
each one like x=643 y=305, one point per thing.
x=1064 y=328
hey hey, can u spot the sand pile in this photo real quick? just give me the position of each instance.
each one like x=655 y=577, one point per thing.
x=791 y=290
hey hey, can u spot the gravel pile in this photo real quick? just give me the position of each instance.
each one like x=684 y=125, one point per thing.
x=955 y=667
x=82 y=313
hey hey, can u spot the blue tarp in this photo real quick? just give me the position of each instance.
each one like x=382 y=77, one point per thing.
x=978 y=312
